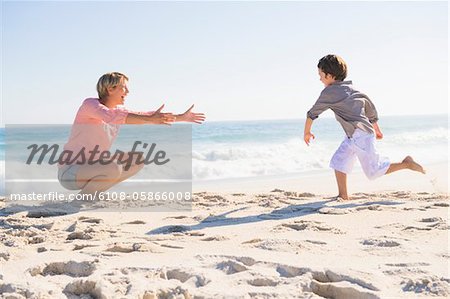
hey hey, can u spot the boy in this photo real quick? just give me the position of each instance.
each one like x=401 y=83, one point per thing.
x=358 y=117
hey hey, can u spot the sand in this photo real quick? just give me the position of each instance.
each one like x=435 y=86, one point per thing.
x=276 y=238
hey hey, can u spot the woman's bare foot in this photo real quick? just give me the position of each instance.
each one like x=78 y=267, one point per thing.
x=413 y=165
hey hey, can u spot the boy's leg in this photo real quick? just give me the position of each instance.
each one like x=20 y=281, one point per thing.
x=341 y=179
x=407 y=163
x=342 y=163
x=373 y=164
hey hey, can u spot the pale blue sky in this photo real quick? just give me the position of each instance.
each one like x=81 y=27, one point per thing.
x=234 y=60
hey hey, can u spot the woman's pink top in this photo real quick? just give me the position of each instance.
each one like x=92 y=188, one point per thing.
x=96 y=125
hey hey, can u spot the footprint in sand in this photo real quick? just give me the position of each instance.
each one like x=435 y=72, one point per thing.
x=441 y=204
x=232 y=267
x=177 y=217
x=177 y=292
x=135 y=222
x=333 y=211
x=415 y=209
x=4 y=255
x=171 y=229
x=81 y=246
x=215 y=238
x=330 y=284
x=300 y=225
x=294 y=195
x=43 y=212
x=432 y=219
x=400 y=194
x=405 y=268
x=316 y=242
x=185 y=276
x=171 y=246
x=373 y=207
x=90 y=220
x=263 y=282
x=283 y=245
x=87 y=234
x=434 y=223
x=83 y=289
x=416 y=228
x=214 y=198
x=343 y=289
x=70 y=268
x=25 y=223
x=434 y=206
x=442 y=225
x=380 y=243
x=408 y=264
x=195 y=234
x=257 y=240
x=290 y=271
x=16 y=291
x=428 y=285
x=228 y=264
x=362 y=195
x=36 y=240
x=124 y=248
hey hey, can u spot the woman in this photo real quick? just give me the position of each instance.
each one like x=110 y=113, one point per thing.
x=96 y=127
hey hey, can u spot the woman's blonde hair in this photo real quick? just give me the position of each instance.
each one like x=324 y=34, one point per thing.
x=109 y=80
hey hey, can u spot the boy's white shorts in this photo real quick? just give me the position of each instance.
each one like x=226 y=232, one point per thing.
x=361 y=145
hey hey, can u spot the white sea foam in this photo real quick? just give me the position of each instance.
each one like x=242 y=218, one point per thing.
x=223 y=160
x=244 y=160
x=421 y=137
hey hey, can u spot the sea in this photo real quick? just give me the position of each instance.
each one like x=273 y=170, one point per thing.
x=244 y=149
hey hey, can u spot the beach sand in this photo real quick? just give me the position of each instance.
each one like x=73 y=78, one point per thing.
x=255 y=238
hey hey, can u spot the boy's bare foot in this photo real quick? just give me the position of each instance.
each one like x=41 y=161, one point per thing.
x=342 y=198
x=413 y=165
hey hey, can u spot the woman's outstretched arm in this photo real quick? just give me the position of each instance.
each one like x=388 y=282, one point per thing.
x=157 y=118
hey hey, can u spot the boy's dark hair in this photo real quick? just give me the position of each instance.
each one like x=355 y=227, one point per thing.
x=333 y=65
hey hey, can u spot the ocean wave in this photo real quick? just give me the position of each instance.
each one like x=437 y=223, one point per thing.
x=244 y=149
x=434 y=136
x=256 y=160
x=293 y=156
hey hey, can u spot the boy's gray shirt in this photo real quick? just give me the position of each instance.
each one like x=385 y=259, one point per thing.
x=352 y=108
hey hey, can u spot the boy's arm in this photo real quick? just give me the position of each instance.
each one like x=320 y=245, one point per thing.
x=370 y=111
x=307 y=135
x=378 y=133
x=372 y=115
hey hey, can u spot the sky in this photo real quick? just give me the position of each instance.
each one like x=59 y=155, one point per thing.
x=233 y=60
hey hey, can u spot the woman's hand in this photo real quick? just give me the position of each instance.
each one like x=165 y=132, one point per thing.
x=159 y=118
x=191 y=117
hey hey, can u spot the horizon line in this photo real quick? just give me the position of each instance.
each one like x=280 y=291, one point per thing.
x=261 y=119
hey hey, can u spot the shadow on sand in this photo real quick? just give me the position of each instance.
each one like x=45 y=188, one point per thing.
x=291 y=211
